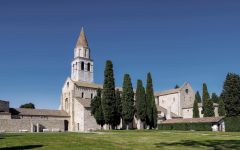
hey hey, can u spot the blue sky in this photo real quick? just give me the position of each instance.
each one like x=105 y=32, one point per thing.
x=177 y=41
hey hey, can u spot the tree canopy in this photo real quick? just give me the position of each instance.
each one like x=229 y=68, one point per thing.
x=28 y=105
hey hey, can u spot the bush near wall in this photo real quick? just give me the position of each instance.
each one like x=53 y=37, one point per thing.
x=232 y=124
x=186 y=126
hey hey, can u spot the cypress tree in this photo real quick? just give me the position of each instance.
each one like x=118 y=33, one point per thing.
x=198 y=97
x=96 y=109
x=215 y=98
x=108 y=94
x=140 y=102
x=209 y=108
x=221 y=108
x=195 y=109
x=118 y=109
x=151 y=110
x=127 y=100
x=205 y=96
x=231 y=94
x=177 y=86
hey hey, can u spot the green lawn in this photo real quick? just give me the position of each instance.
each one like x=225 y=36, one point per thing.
x=137 y=140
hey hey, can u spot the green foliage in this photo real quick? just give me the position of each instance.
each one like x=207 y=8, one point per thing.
x=231 y=94
x=28 y=105
x=232 y=124
x=177 y=86
x=127 y=100
x=108 y=93
x=195 y=109
x=208 y=108
x=198 y=97
x=186 y=126
x=96 y=108
x=205 y=95
x=151 y=108
x=221 y=108
x=140 y=101
x=118 y=109
x=215 y=98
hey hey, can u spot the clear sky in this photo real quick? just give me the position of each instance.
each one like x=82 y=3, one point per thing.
x=176 y=40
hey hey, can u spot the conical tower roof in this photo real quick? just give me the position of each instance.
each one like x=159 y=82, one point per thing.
x=82 y=40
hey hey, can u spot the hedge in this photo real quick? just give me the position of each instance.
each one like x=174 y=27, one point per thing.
x=232 y=124
x=186 y=126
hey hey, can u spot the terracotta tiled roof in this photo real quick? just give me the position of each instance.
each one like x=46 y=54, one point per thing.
x=38 y=112
x=194 y=120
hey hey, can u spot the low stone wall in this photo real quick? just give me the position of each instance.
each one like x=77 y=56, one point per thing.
x=16 y=125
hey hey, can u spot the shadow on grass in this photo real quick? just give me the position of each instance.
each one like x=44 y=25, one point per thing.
x=212 y=144
x=21 y=147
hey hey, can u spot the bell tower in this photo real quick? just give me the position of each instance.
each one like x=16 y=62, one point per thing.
x=82 y=64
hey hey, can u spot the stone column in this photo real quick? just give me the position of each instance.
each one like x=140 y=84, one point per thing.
x=37 y=127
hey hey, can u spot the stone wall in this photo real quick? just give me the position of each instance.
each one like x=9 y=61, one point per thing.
x=4 y=106
x=89 y=121
x=15 y=125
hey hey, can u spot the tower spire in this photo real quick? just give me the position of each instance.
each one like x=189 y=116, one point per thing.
x=82 y=40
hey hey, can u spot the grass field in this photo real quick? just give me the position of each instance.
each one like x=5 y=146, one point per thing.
x=137 y=140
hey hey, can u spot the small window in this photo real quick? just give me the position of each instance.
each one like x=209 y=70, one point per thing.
x=82 y=94
x=186 y=91
x=82 y=65
x=68 y=84
x=88 y=66
x=91 y=95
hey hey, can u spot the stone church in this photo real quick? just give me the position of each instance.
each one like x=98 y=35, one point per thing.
x=79 y=89
x=74 y=112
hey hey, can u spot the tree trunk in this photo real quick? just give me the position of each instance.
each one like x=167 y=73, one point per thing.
x=127 y=126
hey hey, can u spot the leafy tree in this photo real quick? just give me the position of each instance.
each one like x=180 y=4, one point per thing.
x=96 y=109
x=151 y=110
x=195 y=109
x=205 y=96
x=108 y=94
x=127 y=100
x=209 y=108
x=140 y=102
x=28 y=105
x=118 y=109
x=215 y=98
x=231 y=94
x=221 y=108
x=198 y=97
x=177 y=86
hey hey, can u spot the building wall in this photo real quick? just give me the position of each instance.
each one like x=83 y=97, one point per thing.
x=4 y=106
x=170 y=101
x=89 y=121
x=79 y=116
x=14 y=125
x=187 y=96
x=5 y=116
x=188 y=112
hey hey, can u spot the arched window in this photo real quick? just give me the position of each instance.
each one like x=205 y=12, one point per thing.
x=88 y=66
x=82 y=94
x=82 y=65
x=91 y=95
x=67 y=84
x=66 y=104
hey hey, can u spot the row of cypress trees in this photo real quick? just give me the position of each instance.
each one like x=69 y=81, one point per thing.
x=109 y=106
x=228 y=101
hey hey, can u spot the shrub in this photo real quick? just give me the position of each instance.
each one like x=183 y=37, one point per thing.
x=232 y=124
x=186 y=126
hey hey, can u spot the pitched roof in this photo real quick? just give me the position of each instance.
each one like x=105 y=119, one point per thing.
x=82 y=40
x=166 y=92
x=38 y=112
x=85 y=102
x=164 y=110
x=194 y=120
x=92 y=85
